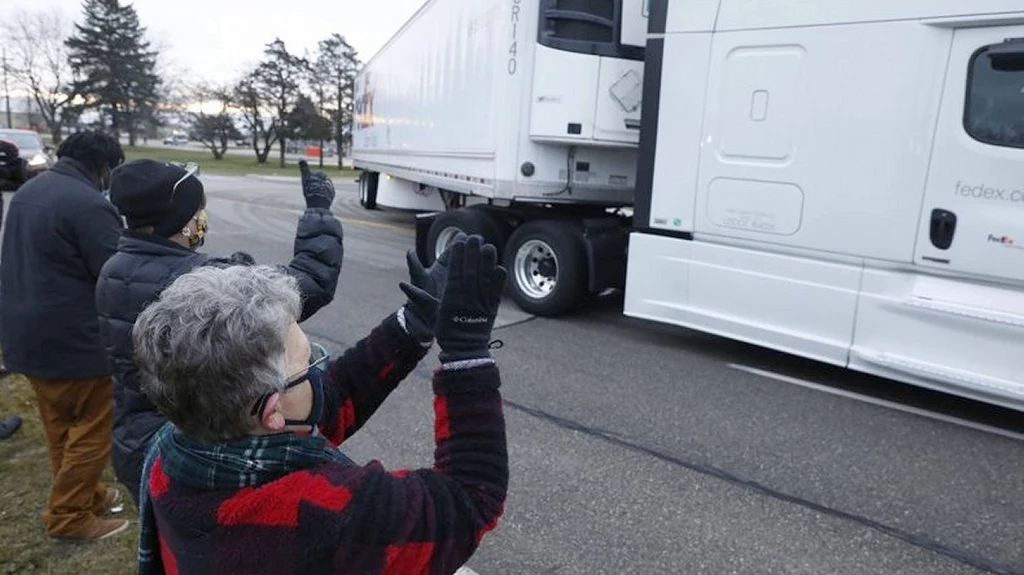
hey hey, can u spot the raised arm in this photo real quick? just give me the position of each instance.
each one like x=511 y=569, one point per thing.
x=319 y=246
x=430 y=521
x=361 y=380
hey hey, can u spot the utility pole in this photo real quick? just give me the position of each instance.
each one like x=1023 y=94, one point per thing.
x=7 y=92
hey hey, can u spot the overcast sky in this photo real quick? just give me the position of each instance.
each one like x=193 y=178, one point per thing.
x=216 y=39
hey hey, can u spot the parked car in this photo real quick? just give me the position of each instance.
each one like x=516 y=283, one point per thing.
x=176 y=140
x=34 y=151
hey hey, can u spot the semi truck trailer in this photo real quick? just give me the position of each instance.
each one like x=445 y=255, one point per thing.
x=841 y=181
x=518 y=120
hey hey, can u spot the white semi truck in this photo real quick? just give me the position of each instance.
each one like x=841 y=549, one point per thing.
x=843 y=181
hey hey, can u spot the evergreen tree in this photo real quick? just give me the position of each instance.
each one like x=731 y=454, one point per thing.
x=306 y=123
x=115 y=65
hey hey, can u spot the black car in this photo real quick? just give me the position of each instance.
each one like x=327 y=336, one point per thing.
x=34 y=151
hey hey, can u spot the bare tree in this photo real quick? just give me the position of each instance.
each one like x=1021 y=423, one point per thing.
x=175 y=94
x=36 y=41
x=216 y=130
x=257 y=113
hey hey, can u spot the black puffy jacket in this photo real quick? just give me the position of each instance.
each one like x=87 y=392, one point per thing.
x=135 y=276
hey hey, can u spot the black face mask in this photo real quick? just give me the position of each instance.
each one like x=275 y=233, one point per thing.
x=315 y=376
x=315 y=373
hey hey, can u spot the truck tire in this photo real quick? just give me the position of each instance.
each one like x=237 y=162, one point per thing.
x=547 y=267
x=368 y=189
x=470 y=221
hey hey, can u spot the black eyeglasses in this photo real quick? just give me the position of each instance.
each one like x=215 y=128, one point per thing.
x=317 y=359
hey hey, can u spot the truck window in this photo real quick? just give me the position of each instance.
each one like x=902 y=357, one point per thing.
x=585 y=26
x=994 y=112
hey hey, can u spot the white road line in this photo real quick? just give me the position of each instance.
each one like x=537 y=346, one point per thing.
x=466 y=571
x=878 y=402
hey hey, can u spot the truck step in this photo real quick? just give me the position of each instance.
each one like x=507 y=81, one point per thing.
x=958 y=298
x=939 y=373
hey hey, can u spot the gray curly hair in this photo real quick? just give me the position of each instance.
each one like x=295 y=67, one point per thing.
x=213 y=343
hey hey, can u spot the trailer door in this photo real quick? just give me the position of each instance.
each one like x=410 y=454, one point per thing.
x=973 y=214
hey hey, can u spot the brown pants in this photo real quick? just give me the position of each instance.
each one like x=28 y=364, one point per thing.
x=78 y=417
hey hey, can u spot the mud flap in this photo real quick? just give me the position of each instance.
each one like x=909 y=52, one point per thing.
x=423 y=223
x=607 y=242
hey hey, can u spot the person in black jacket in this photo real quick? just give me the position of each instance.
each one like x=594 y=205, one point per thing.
x=163 y=205
x=12 y=167
x=59 y=233
x=12 y=176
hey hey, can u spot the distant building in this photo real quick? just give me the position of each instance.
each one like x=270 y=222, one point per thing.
x=23 y=115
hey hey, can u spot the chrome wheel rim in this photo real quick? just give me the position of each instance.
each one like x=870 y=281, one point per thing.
x=444 y=238
x=536 y=269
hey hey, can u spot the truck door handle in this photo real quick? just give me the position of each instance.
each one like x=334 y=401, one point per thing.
x=942 y=229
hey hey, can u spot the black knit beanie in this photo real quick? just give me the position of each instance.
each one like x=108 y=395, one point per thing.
x=142 y=191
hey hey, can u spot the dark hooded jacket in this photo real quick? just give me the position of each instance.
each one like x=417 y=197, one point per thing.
x=142 y=268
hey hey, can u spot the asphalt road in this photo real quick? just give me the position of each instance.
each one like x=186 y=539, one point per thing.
x=637 y=448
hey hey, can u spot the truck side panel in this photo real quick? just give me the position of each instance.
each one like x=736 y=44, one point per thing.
x=430 y=95
x=818 y=138
x=790 y=303
x=758 y=14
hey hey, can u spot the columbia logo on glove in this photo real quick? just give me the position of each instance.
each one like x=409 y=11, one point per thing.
x=465 y=319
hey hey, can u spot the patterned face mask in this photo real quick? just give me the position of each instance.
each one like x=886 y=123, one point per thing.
x=199 y=237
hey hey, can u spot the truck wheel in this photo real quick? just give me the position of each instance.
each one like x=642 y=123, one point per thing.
x=368 y=189
x=547 y=266
x=447 y=225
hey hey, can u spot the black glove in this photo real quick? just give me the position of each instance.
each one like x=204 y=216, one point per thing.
x=420 y=312
x=470 y=301
x=316 y=187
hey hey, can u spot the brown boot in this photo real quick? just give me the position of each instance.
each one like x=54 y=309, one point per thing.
x=101 y=529
x=111 y=503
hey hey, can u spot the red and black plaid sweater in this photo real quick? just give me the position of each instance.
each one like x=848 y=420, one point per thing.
x=344 y=519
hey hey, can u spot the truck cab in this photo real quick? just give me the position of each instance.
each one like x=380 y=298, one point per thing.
x=844 y=183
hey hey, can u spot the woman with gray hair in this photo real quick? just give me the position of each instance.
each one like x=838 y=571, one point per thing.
x=247 y=477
